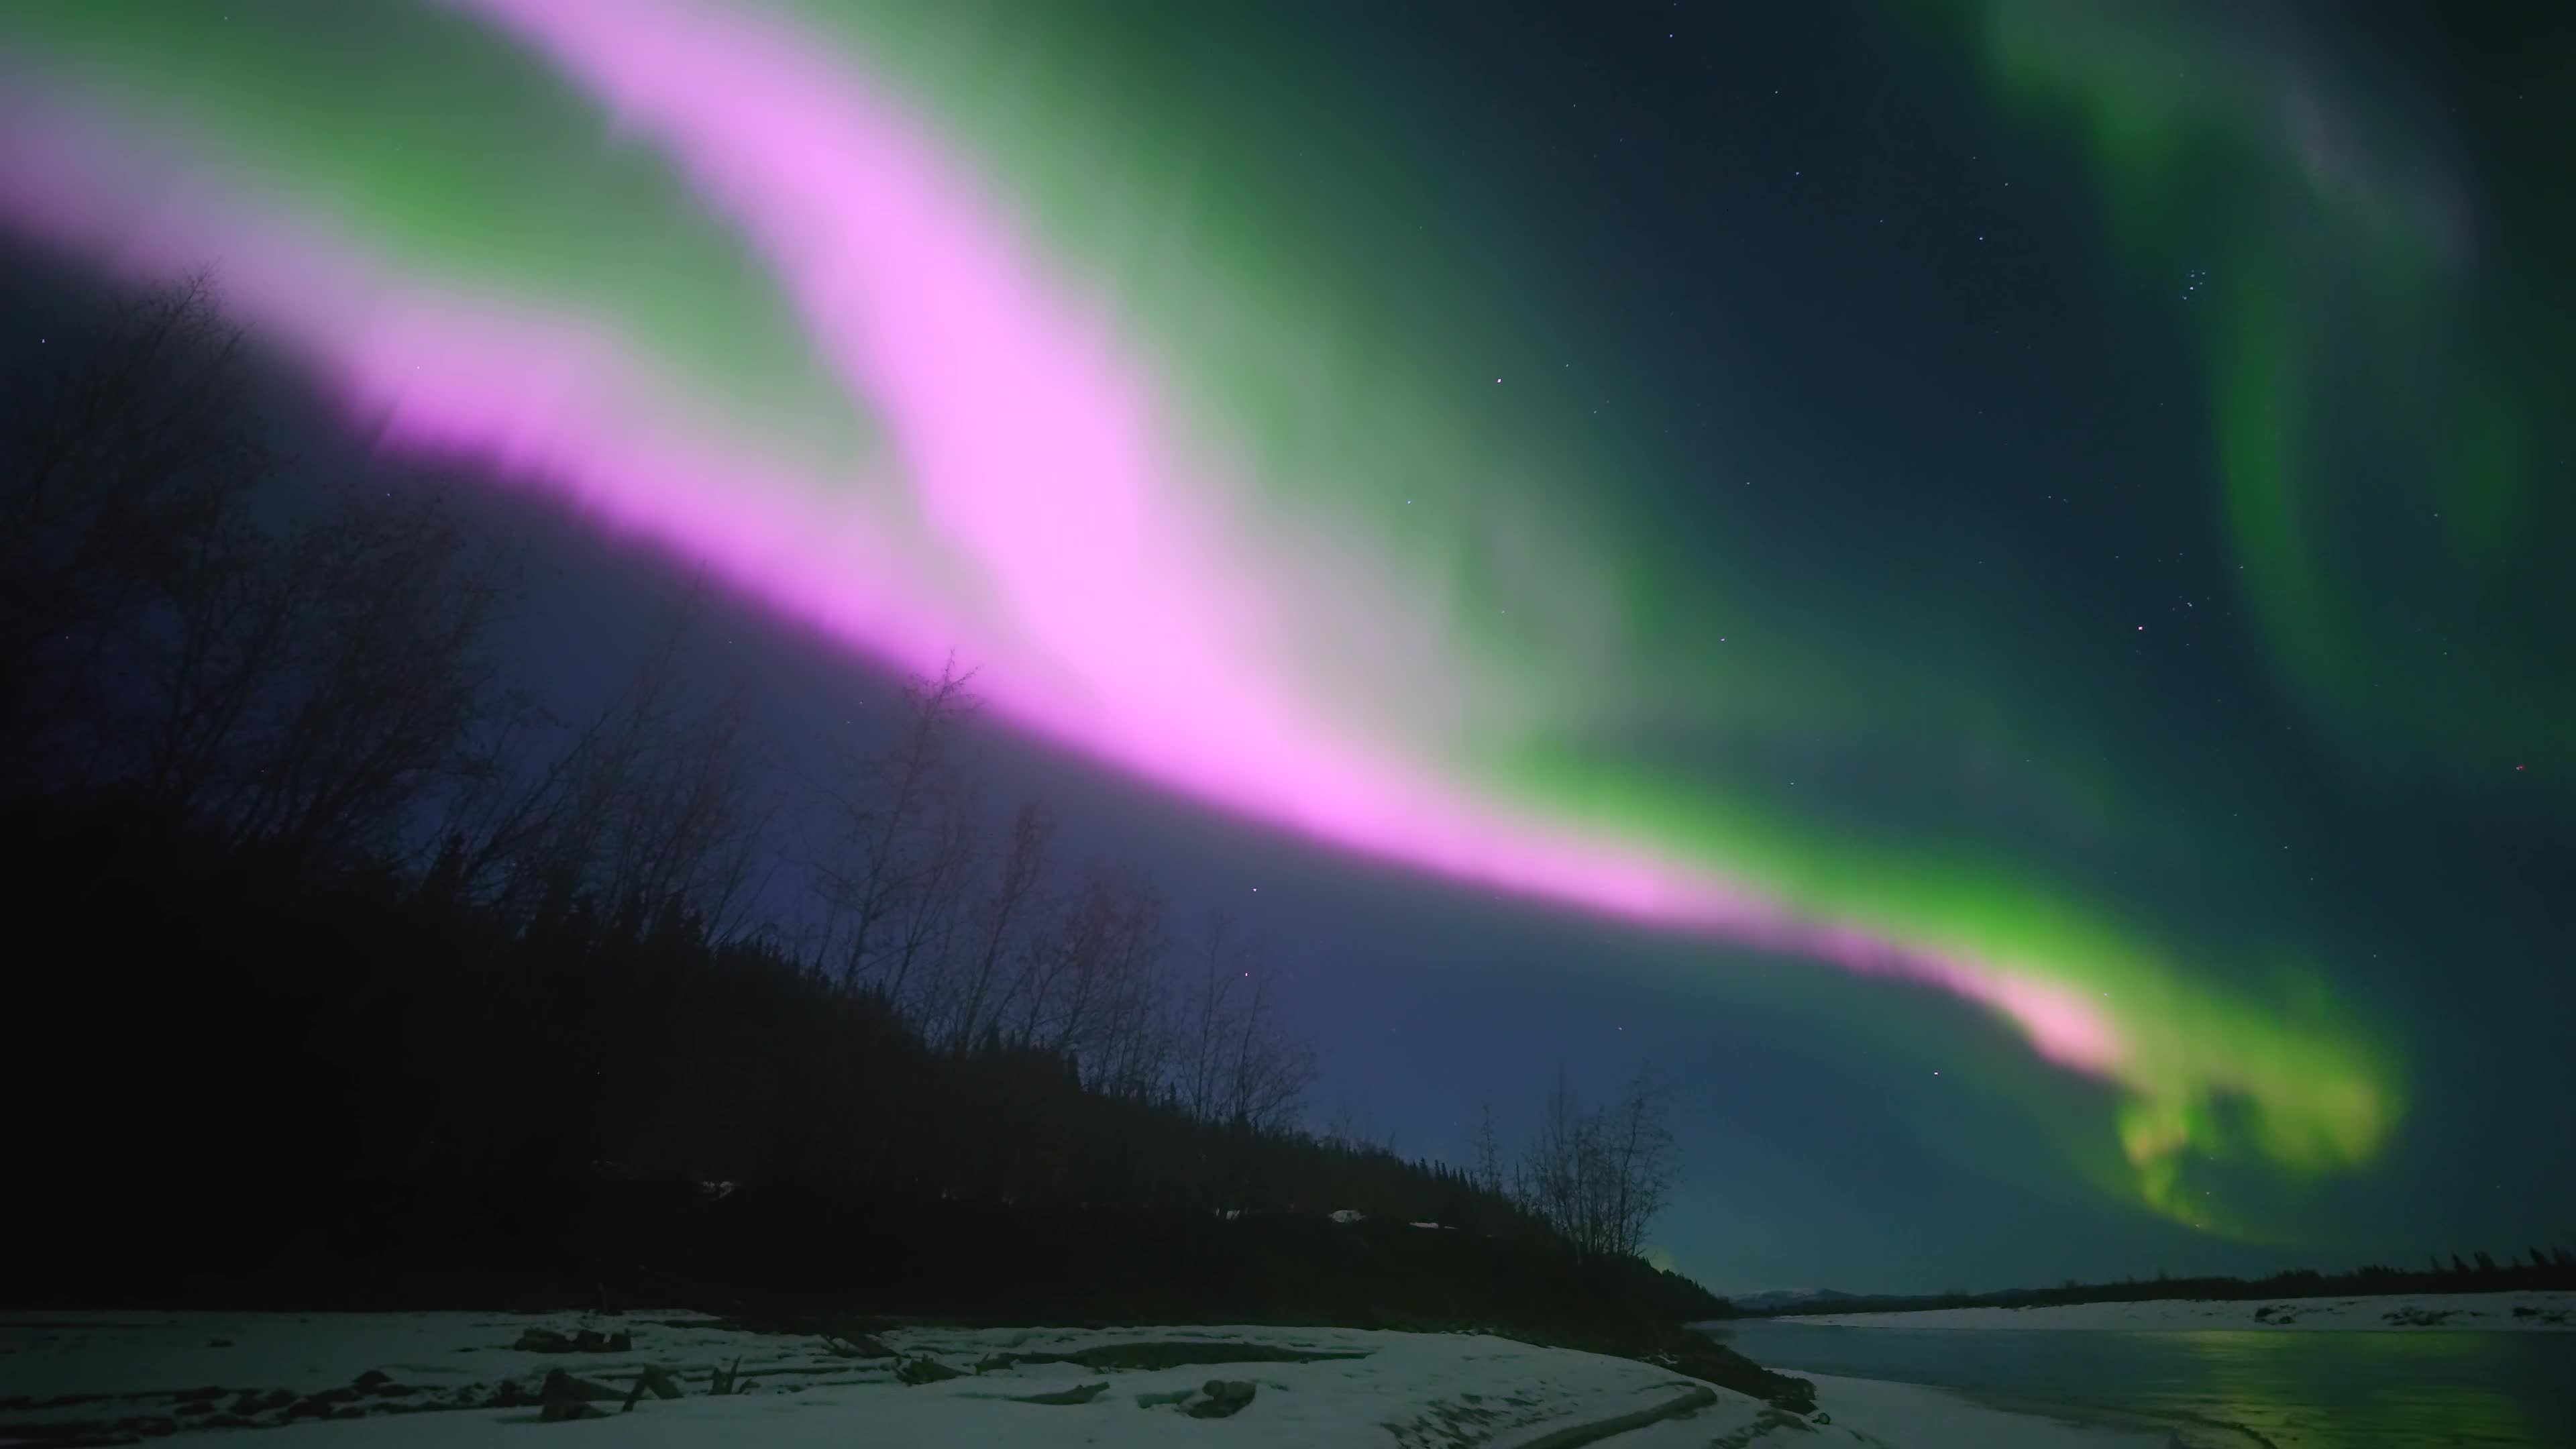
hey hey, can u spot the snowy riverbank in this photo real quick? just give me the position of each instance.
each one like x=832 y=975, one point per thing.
x=391 y=1381
x=2418 y=1312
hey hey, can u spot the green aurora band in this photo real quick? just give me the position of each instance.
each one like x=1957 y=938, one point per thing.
x=2383 y=407
x=1433 y=572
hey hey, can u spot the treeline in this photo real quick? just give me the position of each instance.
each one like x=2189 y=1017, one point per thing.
x=2540 y=1270
x=341 y=960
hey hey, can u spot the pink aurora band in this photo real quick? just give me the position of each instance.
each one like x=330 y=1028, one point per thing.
x=1098 y=606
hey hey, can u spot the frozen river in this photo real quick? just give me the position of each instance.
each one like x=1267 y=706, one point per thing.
x=2353 y=1389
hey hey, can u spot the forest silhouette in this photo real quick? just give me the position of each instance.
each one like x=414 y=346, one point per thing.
x=352 y=974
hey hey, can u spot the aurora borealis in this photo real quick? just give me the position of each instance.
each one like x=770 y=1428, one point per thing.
x=1177 y=377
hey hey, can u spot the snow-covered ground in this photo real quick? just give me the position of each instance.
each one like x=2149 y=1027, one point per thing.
x=390 y=1381
x=2420 y=1312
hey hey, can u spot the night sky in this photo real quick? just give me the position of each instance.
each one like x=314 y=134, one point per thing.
x=1985 y=584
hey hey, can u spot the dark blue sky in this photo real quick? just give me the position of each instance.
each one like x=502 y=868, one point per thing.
x=2074 y=411
x=1994 y=442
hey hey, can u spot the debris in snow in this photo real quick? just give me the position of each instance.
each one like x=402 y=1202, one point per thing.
x=726 y=1380
x=1688 y=1404
x=565 y=1397
x=655 y=1380
x=1225 y=1399
x=1079 y=1394
x=1175 y=1353
x=588 y=1340
x=924 y=1370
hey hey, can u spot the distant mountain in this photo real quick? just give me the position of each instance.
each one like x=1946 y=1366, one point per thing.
x=1779 y=1298
x=2545 y=1271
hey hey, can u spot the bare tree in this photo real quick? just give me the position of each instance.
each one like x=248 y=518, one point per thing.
x=1641 y=1162
x=664 y=795
x=1487 y=1148
x=1271 y=1070
x=388 y=674
x=115 y=455
x=1553 y=1168
x=1237 y=1062
x=982 y=991
x=1599 y=1178
x=1202 y=1027
x=229 y=632
x=1130 y=1046
x=1350 y=1126
x=900 y=843
x=1065 y=969
x=922 y=935
x=534 y=818
x=303 y=673
x=692 y=827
